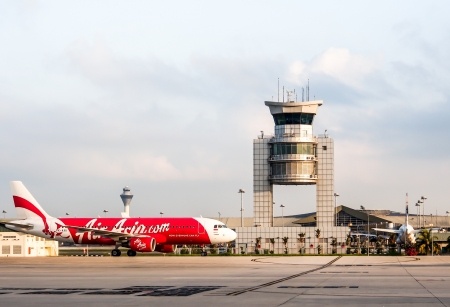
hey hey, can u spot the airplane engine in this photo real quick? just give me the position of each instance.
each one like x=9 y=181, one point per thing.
x=142 y=244
x=166 y=248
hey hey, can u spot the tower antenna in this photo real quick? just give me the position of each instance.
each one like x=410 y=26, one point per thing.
x=278 y=89
x=307 y=92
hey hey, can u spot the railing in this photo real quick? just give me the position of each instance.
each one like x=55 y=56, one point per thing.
x=293 y=177
x=293 y=157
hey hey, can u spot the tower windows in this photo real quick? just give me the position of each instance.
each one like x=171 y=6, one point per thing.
x=293 y=118
x=293 y=149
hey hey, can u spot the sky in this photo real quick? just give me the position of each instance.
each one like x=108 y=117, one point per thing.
x=166 y=97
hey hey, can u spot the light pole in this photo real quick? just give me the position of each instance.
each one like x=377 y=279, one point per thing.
x=368 y=230
x=219 y=215
x=420 y=202
x=161 y=213
x=273 y=218
x=418 y=214
x=242 y=207
x=422 y=198
x=335 y=209
x=282 y=218
x=432 y=241
x=4 y=213
x=335 y=214
x=105 y=211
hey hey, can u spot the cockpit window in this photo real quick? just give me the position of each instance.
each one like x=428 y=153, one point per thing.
x=220 y=226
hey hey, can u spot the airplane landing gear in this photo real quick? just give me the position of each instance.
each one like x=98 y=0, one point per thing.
x=116 y=252
x=131 y=253
x=204 y=253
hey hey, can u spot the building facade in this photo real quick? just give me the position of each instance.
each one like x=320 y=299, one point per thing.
x=16 y=244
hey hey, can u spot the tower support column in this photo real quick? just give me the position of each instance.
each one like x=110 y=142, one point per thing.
x=262 y=187
x=325 y=185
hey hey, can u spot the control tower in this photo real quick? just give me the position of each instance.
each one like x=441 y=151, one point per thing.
x=293 y=156
x=126 y=199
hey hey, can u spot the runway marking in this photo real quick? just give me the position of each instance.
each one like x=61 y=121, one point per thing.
x=349 y=272
x=132 y=290
x=320 y=287
x=235 y=293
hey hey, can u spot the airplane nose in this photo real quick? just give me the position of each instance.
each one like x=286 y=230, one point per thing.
x=232 y=235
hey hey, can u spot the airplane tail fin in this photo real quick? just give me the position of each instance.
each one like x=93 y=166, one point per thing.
x=26 y=205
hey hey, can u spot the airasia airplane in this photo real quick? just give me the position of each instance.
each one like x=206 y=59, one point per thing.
x=138 y=234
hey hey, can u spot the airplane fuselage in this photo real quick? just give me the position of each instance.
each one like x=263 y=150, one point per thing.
x=164 y=230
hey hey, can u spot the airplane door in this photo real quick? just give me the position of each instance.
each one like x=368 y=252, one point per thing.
x=201 y=229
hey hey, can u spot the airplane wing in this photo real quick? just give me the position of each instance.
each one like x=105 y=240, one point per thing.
x=20 y=225
x=362 y=234
x=387 y=230
x=115 y=235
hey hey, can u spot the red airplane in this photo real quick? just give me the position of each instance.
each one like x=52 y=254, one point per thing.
x=161 y=234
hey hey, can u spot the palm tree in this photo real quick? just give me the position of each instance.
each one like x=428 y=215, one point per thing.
x=285 y=241
x=272 y=241
x=258 y=245
x=448 y=244
x=301 y=239
x=425 y=242
x=334 y=245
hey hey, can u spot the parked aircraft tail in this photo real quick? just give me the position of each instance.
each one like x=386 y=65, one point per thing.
x=26 y=205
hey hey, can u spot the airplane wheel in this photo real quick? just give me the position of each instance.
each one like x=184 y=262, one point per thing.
x=116 y=253
x=204 y=254
x=131 y=253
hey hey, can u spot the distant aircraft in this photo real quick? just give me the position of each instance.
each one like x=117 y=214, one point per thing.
x=406 y=233
x=160 y=234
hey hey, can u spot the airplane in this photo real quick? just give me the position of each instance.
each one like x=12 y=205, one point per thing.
x=406 y=233
x=161 y=234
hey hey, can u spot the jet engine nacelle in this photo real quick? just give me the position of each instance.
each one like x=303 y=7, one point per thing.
x=165 y=248
x=142 y=244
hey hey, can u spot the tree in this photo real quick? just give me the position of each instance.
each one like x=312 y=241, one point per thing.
x=258 y=245
x=425 y=242
x=301 y=239
x=334 y=245
x=272 y=241
x=317 y=233
x=285 y=241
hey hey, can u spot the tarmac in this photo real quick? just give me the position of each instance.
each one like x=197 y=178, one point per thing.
x=226 y=281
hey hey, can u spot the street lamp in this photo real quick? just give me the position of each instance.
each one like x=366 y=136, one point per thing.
x=273 y=218
x=335 y=209
x=4 y=213
x=105 y=211
x=418 y=210
x=242 y=207
x=161 y=213
x=219 y=215
x=432 y=241
x=368 y=230
x=282 y=218
x=422 y=200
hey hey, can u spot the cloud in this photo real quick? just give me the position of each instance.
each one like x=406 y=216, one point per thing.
x=339 y=64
